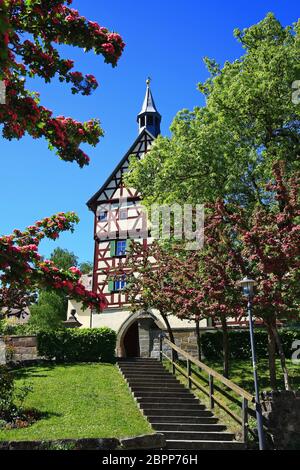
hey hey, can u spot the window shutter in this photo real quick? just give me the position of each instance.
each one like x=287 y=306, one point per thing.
x=113 y=248
x=128 y=243
x=111 y=286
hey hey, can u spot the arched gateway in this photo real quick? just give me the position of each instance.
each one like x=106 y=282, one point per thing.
x=138 y=336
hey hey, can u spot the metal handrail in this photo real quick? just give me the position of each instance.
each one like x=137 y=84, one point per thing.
x=247 y=398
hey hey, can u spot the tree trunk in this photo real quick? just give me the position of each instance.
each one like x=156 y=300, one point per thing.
x=170 y=333
x=198 y=339
x=272 y=357
x=225 y=347
x=282 y=357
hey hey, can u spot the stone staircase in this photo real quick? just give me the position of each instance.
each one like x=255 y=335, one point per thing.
x=174 y=410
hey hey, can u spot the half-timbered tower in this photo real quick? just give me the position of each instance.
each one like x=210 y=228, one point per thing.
x=117 y=211
x=118 y=218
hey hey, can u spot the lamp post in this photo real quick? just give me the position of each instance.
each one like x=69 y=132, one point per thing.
x=247 y=287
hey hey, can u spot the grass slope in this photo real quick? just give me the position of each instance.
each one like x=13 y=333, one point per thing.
x=82 y=400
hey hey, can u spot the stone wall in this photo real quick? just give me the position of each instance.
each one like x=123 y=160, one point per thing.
x=184 y=339
x=155 y=441
x=187 y=341
x=281 y=411
x=18 y=348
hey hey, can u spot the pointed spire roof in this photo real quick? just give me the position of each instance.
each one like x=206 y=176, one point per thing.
x=148 y=104
x=149 y=118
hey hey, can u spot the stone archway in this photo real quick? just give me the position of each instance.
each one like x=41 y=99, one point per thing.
x=148 y=327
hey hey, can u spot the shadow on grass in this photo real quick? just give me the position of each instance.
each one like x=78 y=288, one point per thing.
x=40 y=370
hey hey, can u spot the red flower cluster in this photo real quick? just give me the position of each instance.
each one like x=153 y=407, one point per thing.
x=23 y=267
x=55 y=22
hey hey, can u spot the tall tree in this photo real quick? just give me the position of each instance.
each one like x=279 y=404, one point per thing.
x=86 y=267
x=48 y=312
x=63 y=258
x=249 y=122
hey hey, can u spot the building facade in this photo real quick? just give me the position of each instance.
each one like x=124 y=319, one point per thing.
x=118 y=218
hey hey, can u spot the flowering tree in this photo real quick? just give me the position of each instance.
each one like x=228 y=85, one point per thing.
x=23 y=268
x=16 y=301
x=29 y=30
x=167 y=280
x=189 y=285
x=272 y=246
x=220 y=265
x=266 y=246
x=148 y=285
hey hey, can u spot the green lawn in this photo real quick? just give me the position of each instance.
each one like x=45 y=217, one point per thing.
x=82 y=400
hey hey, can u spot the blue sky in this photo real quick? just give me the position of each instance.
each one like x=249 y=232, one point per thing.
x=164 y=39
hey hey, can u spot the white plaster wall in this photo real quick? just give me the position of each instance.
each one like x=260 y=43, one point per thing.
x=83 y=316
x=114 y=318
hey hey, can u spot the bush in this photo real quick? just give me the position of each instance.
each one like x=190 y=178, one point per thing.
x=12 y=399
x=9 y=329
x=7 y=406
x=239 y=343
x=78 y=345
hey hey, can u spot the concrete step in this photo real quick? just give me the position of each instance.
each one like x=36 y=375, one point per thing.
x=177 y=388
x=164 y=427
x=155 y=378
x=178 y=402
x=198 y=435
x=185 y=394
x=144 y=370
x=141 y=365
x=200 y=419
x=140 y=360
x=153 y=383
x=182 y=411
x=204 y=445
x=143 y=375
x=157 y=405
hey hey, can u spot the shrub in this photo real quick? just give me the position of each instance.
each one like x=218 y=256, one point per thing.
x=78 y=345
x=10 y=329
x=239 y=343
x=12 y=399
x=7 y=407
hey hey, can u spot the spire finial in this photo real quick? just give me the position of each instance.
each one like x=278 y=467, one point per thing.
x=148 y=81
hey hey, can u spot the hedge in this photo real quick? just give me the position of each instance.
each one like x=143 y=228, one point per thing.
x=239 y=343
x=78 y=345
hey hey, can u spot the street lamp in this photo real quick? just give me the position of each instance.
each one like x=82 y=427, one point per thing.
x=247 y=287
